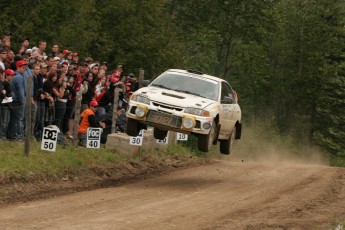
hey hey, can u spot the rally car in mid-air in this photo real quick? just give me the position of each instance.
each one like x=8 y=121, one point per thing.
x=188 y=102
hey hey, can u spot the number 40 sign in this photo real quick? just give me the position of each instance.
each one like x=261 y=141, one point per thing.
x=93 y=140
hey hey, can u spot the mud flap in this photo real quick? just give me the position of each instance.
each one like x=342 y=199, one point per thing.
x=216 y=136
x=238 y=131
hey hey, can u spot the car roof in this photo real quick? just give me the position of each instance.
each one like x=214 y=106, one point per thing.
x=195 y=73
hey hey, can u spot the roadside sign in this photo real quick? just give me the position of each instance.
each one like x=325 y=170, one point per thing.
x=93 y=140
x=49 y=139
x=164 y=141
x=138 y=140
x=181 y=136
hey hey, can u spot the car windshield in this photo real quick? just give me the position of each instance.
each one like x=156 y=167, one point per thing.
x=191 y=84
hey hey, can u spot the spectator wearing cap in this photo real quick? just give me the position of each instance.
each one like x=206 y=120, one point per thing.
x=18 y=84
x=88 y=119
x=60 y=55
x=89 y=60
x=126 y=95
x=104 y=66
x=5 y=107
x=64 y=67
x=57 y=60
x=26 y=43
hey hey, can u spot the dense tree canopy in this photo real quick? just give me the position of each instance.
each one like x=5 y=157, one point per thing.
x=284 y=57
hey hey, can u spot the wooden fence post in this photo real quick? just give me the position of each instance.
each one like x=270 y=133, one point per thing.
x=27 y=116
x=76 y=117
x=141 y=77
x=115 y=105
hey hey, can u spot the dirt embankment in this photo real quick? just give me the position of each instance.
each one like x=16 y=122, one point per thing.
x=16 y=189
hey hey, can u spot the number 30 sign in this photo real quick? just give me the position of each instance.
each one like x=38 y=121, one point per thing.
x=138 y=140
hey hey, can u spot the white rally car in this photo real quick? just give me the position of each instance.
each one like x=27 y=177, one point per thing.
x=188 y=102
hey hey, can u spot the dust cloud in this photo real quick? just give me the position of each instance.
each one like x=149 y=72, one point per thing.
x=255 y=147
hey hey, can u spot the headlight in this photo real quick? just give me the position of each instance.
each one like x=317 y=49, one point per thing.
x=140 y=99
x=140 y=111
x=207 y=125
x=188 y=122
x=198 y=112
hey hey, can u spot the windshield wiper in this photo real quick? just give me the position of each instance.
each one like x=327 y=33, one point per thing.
x=186 y=91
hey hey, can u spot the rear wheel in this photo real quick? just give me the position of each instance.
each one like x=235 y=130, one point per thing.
x=132 y=127
x=159 y=134
x=205 y=140
x=225 y=146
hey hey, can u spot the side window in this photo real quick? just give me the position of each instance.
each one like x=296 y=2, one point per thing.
x=226 y=94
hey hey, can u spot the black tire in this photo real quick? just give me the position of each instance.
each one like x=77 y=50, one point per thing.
x=159 y=134
x=205 y=141
x=225 y=146
x=132 y=127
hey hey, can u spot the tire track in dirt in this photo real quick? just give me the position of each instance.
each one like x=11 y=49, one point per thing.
x=223 y=195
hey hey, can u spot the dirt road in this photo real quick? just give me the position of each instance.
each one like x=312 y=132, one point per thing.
x=224 y=195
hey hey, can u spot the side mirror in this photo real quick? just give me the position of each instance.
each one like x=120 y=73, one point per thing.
x=227 y=100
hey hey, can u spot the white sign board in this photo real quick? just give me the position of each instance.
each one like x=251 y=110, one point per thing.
x=138 y=140
x=164 y=141
x=181 y=137
x=93 y=140
x=49 y=139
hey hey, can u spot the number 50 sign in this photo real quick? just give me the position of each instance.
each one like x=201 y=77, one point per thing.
x=49 y=139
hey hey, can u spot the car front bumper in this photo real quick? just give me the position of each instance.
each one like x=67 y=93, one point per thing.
x=169 y=118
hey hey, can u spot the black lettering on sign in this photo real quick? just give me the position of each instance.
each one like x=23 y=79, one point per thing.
x=50 y=134
x=94 y=134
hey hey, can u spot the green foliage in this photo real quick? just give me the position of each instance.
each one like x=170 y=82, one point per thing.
x=284 y=58
x=14 y=161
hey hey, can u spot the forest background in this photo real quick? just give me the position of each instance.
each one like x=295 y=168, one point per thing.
x=285 y=58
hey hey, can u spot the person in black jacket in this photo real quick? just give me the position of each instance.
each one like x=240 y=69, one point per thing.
x=5 y=92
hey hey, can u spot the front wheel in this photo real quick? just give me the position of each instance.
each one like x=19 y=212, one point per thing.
x=132 y=127
x=225 y=146
x=205 y=140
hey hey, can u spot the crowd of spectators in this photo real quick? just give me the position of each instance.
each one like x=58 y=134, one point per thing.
x=57 y=75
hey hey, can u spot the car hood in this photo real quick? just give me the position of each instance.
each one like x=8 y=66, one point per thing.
x=172 y=97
